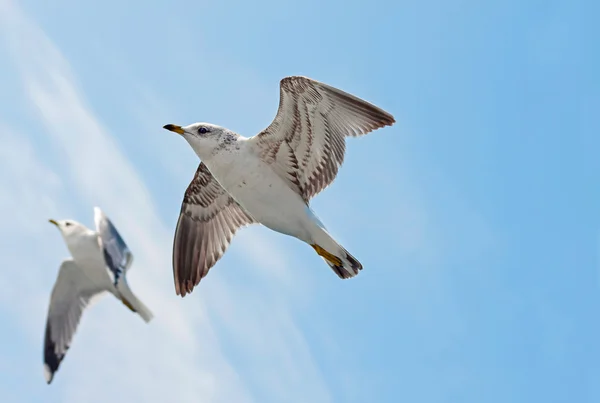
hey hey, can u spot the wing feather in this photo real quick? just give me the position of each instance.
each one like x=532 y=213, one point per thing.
x=72 y=293
x=312 y=121
x=117 y=255
x=208 y=220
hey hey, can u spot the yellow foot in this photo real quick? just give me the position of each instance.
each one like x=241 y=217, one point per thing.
x=336 y=261
x=127 y=304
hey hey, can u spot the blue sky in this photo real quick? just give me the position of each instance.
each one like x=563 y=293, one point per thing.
x=475 y=216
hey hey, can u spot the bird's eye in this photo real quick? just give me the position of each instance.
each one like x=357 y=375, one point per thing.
x=203 y=130
x=67 y=224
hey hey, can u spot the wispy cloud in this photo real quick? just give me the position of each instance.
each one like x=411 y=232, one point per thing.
x=178 y=356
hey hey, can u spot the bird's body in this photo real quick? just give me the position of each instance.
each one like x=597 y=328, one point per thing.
x=259 y=190
x=88 y=257
x=98 y=264
x=269 y=178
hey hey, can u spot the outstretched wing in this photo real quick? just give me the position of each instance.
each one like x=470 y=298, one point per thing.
x=71 y=294
x=305 y=143
x=208 y=220
x=117 y=255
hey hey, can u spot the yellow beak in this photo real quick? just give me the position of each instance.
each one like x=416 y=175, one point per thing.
x=53 y=222
x=174 y=128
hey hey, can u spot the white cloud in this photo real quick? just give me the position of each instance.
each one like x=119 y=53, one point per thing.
x=178 y=356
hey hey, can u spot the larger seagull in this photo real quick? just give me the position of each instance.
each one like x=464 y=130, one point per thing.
x=99 y=263
x=269 y=178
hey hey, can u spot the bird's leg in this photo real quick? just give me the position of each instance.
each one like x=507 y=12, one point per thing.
x=328 y=256
x=128 y=304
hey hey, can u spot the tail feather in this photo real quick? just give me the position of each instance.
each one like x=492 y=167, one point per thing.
x=132 y=302
x=339 y=259
x=348 y=268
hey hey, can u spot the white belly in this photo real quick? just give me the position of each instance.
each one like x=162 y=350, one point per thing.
x=265 y=196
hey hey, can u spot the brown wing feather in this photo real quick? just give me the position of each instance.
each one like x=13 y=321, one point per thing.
x=208 y=220
x=313 y=120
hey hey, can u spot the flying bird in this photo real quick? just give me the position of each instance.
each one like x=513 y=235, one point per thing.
x=99 y=263
x=269 y=178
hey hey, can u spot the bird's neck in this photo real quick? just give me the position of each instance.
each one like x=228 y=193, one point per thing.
x=203 y=152
x=83 y=245
x=227 y=145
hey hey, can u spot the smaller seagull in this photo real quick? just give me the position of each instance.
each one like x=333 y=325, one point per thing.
x=269 y=178
x=99 y=263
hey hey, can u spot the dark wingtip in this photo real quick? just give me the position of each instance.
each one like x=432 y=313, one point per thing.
x=51 y=359
x=184 y=288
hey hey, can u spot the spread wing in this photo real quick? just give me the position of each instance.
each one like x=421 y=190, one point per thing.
x=305 y=143
x=208 y=220
x=71 y=294
x=117 y=255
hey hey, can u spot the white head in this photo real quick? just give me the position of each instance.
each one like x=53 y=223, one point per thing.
x=70 y=230
x=203 y=137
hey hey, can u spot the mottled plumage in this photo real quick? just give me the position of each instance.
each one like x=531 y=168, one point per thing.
x=208 y=220
x=269 y=178
x=307 y=135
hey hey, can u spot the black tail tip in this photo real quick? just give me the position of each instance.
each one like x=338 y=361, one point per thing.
x=345 y=272
x=355 y=264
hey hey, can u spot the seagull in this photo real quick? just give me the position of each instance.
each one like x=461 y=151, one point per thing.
x=270 y=178
x=99 y=263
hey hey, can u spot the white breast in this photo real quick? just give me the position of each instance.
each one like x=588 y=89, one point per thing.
x=257 y=188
